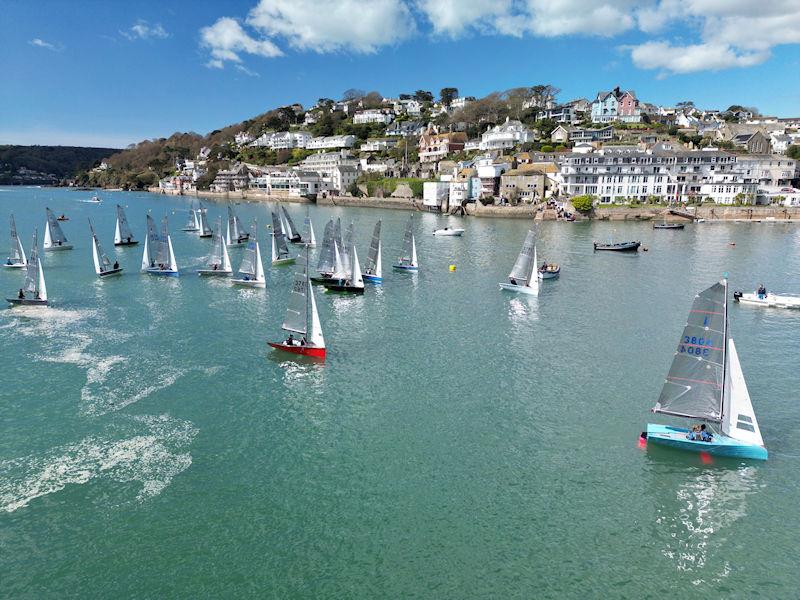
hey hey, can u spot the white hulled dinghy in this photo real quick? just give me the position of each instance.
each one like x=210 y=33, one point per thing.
x=54 y=238
x=302 y=318
x=524 y=278
x=219 y=263
x=16 y=257
x=373 y=269
x=288 y=227
x=705 y=383
x=251 y=271
x=203 y=229
x=280 y=251
x=236 y=234
x=158 y=257
x=102 y=264
x=408 y=260
x=123 y=236
x=34 y=292
x=309 y=236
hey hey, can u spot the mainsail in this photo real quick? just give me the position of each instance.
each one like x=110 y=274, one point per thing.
x=346 y=246
x=218 y=250
x=325 y=262
x=695 y=383
x=309 y=236
x=301 y=313
x=34 y=276
x=205 y=230
x=234 y=227
x=251 y=267
x=123 y=231
x=279 y=239
x=372 y=263
x=17 y=255
x=150 y=245
x=191 y=221
x=409 y=251
x=163 y=254
x=101 y=261
x=291 y=230
x=525 y=266
x=57 y=237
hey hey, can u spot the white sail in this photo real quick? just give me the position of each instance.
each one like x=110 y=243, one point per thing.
x=42 y=284
x=17 y=255
x=739 y=419
x=522 y=269
x=345 y=247
x=413 y=252
x=356 y=280
x=205 y=230
x=379 y=263
x=280 y=251
x=309 y=237
x=218 y=259
x=226 y=259
x=339 y=271
x=173 y=264
x=259 y=265
x=409 y=256
x=95 y=256
x=123 y=231
x=146 y=254
x=117 y=235
x=48 y=240
x=196 y=217
x=101 y=261
x=533 y=277
x=373 y=263
x=315 y=336
x=288 y=225
x=54 y=236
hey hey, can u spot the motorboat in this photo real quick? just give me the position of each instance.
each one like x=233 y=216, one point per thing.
x=768 y=299
x=447 y=231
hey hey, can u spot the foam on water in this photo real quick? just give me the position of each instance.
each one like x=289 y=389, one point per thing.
x=152 y=458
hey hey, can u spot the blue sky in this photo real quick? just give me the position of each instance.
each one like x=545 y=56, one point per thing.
x=111 y=73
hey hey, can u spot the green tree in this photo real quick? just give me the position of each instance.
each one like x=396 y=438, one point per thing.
x=583 y=203
x=423 y=96
x=447 y=95
x=793 y=152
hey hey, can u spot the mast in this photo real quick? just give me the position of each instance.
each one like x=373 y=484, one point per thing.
x=724 y=348
x=308 y=300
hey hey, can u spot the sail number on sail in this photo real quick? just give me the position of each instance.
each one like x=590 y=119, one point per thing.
x=696 y=346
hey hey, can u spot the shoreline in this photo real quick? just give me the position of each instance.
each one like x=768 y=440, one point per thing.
x=717 y=213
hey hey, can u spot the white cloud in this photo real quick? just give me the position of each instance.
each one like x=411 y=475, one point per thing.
x=46 y=45
x=226 y=40
x=551 y=18
x=455 y=18
x=143 y=30
x=695 y=57
x=323 y=26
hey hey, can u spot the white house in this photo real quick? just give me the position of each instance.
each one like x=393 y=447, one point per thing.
x=506 y=135
x=327 y=165
x=243 y=138
x=373 y=115
x=728 y=188
x=408 y=106
x=435 y=194
x=280 y=140
x=378 y=145
x=461 y=102
x=330 y=142
x=293 y=182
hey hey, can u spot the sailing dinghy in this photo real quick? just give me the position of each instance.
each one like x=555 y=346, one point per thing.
x=202 y=222
x=251 y=271
x=309 y=236
x=288 y=227
x=16 y=258
x=192 y=223
x=302 y=318
x=123 y=236
x=408 y=260
x=102 y=264
x=54 y=238
x=524 y=277
x=34 y=292
x=373 y=271
x=158 y=257
x=280 y=251
x=705 y=383
x=347 y=281
x=219 y=263
x=325 y=264
x=236 y=233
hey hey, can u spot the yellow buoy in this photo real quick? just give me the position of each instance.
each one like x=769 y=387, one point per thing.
x=452 y=267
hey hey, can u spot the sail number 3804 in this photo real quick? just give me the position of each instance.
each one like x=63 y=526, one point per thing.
x=696 y=346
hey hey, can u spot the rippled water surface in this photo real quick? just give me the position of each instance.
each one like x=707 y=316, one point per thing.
x=458 y=442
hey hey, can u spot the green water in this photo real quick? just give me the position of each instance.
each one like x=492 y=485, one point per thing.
x=458 y=441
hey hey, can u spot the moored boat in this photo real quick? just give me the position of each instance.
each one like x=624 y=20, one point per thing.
x=123 y=236
x=666 y=225
x=54 y=238
x=705 y=383
x=448 y=232
x=408 y=260
x=618 y=246
x=251 y=270
x=16 y=257
x=302 y=318
x=34 y=291
x=102 y=264
x=523 y=277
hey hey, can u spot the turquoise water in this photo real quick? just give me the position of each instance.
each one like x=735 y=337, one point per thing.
x=458 y=441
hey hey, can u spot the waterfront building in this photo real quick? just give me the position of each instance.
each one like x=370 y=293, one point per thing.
x=292 y=182
x=328 y=166
x=234 y=179
x=526 y=184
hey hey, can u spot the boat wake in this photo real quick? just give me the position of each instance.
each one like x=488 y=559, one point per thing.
x=151 y=458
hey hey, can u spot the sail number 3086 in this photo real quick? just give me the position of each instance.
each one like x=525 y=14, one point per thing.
x=696 y=346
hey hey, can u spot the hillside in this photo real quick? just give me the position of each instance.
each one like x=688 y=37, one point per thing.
x=47 y=164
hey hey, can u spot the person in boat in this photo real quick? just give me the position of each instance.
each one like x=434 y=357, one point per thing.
x=303 y=341
x=37 y=296
x=512 y=281
x=705 y=436
x=214 y=267
x=116 y=264
x=8 y=261
x=290 y=340
x=247 y=277
x=152 y=264
x=129 y=239
x=21 y=294
x=544 y=267
x=762 y=291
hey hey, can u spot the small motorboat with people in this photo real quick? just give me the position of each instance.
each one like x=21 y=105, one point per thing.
x=617 y=246
x=302 y=318
x=251 y=270
x=408 y=259
x=761 y=297
x=123 y=236
x=347 y=280
x=280 y=251
x=523 y=277
x=549 y=271
x=289 y=230
x=218 y=263
x=62 y=217
x=102 y=264
x=16 y=257
x=449 y=232
x=54 y=238
x=373 y=267
x=236 y=234
x=325 y=262
x=158 y=257
x=94 y=200
x=34 y=292
x=203 y=228
x=705 y=384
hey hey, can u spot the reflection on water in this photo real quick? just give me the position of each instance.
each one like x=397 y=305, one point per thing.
x=523 y=309
x=696 y=524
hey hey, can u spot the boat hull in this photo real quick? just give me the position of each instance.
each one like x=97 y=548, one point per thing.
x=668 y=226
x=371 y=278
x=162 y=272
x=343 y=289
x=550 y=274
x=622 y=247
x=283 y=261
x=449 y=232
x=239 y=242
x=58 y=248
x=519 y=289
x=406 y=268
x=110 y=273
x=213 y=273
x=771 y=300
x=190 y=229
x=311 y=351
x=26 y=302
x=721 y=445
x=249 y=283
x=15 y=265
x=131 y=243
x=206 y=235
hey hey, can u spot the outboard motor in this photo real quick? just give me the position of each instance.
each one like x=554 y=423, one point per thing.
x=736 y=295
